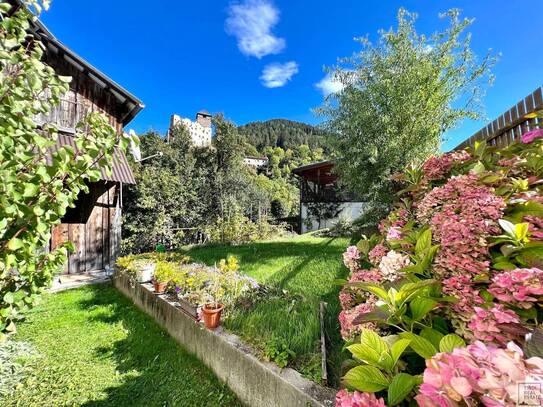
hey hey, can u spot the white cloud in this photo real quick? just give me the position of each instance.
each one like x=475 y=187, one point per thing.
x=329 y=84
x=276 y=75
x=251 y=22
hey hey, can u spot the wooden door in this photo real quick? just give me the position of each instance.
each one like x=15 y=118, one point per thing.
x=92 y=227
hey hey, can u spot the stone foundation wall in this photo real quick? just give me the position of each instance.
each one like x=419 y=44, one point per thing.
x=255 y=382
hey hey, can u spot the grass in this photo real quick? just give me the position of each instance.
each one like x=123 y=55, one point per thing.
x=306 y=268
x=97 y=349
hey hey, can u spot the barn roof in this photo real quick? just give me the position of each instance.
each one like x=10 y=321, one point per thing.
x=124 y=97
x=121 y=171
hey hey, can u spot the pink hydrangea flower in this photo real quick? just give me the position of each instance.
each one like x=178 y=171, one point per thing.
x=394 y=233
x=529 y=137
x=351 y=257
x=478 y=375
x=519 y=287
x=392 y=263
x=366 y=276
x=438 y=167
x=346 y=320
x=462 y=215
x=377 y=253
x=357 y=399
x=488 y=324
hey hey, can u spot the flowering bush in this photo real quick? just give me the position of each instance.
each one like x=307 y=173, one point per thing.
x=459 y=260
x=478 y=373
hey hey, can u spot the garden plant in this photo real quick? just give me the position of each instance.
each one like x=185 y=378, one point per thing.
x=442 y=307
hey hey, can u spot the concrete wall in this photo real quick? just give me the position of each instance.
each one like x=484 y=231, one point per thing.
x=348 y=210
x=256 y=383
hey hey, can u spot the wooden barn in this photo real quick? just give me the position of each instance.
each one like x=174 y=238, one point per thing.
x=94 y=225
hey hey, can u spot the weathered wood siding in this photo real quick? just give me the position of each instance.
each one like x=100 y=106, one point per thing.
x=511 y=125
x=85 y=96
x=93 y=227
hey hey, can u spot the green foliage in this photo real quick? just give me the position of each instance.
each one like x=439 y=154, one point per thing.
x=15 y=365
x=277 y=350
x=35 y=192
x=165 y=271
x=234 y=228
x=398 y=100
x=379 y=371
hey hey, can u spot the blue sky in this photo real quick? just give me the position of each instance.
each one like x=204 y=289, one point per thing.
x=258 y=59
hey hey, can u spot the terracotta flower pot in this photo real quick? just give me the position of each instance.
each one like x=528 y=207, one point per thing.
x=160 y=287
x=212 y=315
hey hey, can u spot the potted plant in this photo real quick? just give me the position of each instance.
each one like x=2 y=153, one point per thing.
x=144 y=270
x=211 y=311
x=165 y=272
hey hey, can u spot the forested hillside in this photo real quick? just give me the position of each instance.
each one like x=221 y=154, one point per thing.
x=285 y=134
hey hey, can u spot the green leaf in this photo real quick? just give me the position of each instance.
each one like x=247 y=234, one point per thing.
x=363 y=246
x=366 y=378
x=399 y=388
x=15 y=244
x=432 y=335
x=504 y=265
x=365 y=354
x=374 y=341
x=507 y=226
x=30 y=190
x=478 y=168
x=423 y=242
x=449 y=342
x=397 y=349
x=526 y=208
x=372 y=288
x=9 y=298
x=421 y=306
x=521 y=231
x=420 y=345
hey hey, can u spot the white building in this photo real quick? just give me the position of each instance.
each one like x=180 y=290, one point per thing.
x=199 y=130
x=256 y=162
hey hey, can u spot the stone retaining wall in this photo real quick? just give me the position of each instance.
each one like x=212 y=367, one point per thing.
x=255 y=382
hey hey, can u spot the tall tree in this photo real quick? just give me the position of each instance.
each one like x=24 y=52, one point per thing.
x=398 y=99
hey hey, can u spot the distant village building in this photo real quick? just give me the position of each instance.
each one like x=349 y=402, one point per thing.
x=199 y=130
x=258 y=163
x=323 y=201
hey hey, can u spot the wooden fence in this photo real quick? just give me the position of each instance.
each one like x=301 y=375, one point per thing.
x=511 y=125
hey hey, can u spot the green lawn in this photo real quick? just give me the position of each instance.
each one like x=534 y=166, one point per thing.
x=304 y=266
x=97 y=349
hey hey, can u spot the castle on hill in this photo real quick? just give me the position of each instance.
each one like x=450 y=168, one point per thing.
x=199 y=130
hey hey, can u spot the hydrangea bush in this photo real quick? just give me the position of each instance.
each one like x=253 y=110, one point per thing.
x=438 y=305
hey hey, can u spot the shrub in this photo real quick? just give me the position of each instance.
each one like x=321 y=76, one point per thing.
x=238 y=229
x=457 y=261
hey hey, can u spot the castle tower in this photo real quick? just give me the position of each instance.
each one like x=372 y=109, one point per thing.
x=199 y=130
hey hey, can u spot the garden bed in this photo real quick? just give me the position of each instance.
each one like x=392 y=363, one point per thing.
x=281 y=319
x=256 y=383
